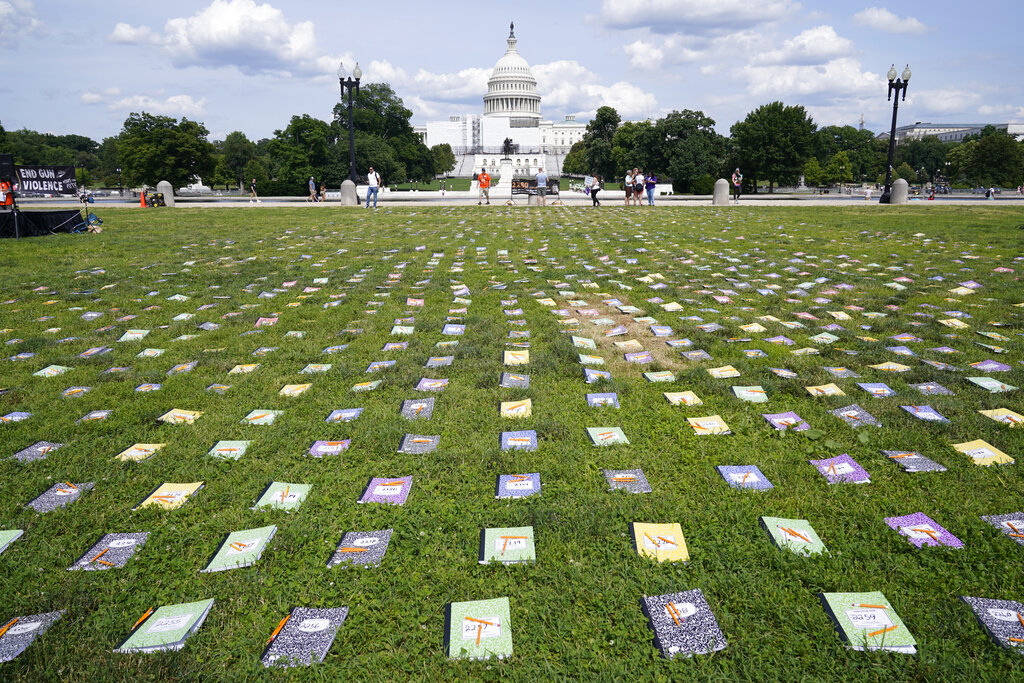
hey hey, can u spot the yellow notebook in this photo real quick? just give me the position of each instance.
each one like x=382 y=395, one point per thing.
x=983 y=453
x=139 y=451
x=660 y=542
x=170 y=496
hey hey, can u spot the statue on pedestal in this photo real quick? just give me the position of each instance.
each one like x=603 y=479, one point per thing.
x=507 y=147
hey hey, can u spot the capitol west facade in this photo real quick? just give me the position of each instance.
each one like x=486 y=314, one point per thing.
x=511 y=110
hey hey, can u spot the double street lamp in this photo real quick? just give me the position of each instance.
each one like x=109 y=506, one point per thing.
x=895 y=85
x=351 y=83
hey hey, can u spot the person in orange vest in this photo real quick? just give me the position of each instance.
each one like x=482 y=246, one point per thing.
x=6 y=195
x=485 y=186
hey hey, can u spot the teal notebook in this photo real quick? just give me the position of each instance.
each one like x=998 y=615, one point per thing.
x=167 y=628
x=795 y=535
x=241 y=549
x=479 y=629
x=867 y=621
x=509 y=545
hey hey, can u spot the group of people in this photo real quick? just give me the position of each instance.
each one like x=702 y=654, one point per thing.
x=636 y=184
x=319 y=194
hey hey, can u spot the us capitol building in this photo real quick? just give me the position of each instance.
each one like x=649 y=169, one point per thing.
x=511 y=110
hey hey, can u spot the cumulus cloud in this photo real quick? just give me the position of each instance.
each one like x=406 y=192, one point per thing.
x=569 y=87
x=813 y=46
x=254 y=38
x=17 y=18
x=839 y=77
x=175 y=105
x=693 y=16
x=883 y=20
x=944 y=100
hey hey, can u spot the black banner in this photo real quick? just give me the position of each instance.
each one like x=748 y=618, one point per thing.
x=529 y=186
x=42 y=180
x=7 y=167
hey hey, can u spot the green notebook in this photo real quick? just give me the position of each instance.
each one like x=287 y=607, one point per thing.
x=796 y=535
x=479 y=629
x=867 y=621
x=509 y=545
x=9 y=536
x=283 y=496
x=241 y=549
x=167 y=628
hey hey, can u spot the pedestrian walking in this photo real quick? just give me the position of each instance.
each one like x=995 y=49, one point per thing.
x=595 y=187
x=372 y=187
x=484 y=183
x=649 y=184
x=312 y=190
x=542 y=187
x=638 y=187
x=323 y=192
x=737 y=185
x=253 y=197
x=627 y=183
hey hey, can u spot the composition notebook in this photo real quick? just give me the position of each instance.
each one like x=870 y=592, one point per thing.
x=304 y=637
x=795 y=535
x=507 y=545
x=361 y=549
x=867 y=621
x=9 y=536
x=18 y=633
x=241 y=549
x=112 y=551
x=1002 y=619
x=660 y=542
x=683 y=624
x=480 y=629
x=167 y=628
x=282 y=496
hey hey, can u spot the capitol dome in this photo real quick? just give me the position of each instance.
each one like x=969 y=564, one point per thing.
x=512 y=89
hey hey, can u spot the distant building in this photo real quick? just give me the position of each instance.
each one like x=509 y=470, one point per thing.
x=511 y=110
x=951 y=132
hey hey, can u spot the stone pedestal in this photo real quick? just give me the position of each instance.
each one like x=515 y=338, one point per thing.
x=503 y=189
x=900 y=190
x=164 y=188
x=348 y=194
x=721 y=196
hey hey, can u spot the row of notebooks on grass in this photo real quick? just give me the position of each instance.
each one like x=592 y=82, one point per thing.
x=683 y=624
x=510 y=545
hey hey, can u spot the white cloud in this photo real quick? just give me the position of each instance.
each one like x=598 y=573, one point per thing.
x=569 y=87
x=813 y=46
x=693 y=16
x=175 y=105
x=254 y=38
x=883 y=20
x=678 y=48
x=839 y=77
x=17 y=19
x=956 y=101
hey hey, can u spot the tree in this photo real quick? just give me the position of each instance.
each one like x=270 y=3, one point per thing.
x=155 y=148
x=774 y=142
x=635 y=145
x=998 y=159
x=905 y=171
x=961 y=159
x=254 y=171
x=813 y=172
x=574 y=162
x=687 y=148
x=866 y=153
x=597 y=143
x=444 y=158
x=838 y=170
x=238 y=151
x=927 y=152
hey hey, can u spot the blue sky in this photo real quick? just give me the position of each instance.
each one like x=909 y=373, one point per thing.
x=249 y=65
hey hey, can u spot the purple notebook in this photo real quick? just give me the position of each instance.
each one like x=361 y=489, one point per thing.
x=744 y=477
x=842 y=468
x=387 y=490
x=922 y=530
x=787 y=420
x=319 y=449
x=517 y=485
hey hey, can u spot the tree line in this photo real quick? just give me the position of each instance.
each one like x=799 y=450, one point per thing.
x=773 y=145
x=776 y=144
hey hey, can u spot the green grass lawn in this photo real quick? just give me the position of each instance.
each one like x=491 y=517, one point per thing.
x=576 y=611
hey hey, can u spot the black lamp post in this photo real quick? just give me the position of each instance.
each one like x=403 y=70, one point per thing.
x=352 y=83
x=895 y=85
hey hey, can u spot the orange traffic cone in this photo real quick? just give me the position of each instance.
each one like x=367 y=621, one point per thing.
x=143 y=195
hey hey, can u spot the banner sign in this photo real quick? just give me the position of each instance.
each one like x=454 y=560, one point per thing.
x=47 y=180
x=529 y=186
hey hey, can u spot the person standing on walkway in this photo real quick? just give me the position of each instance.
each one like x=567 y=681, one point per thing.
x=627 y=183
x=649 y=185
x=638 y=187
x=594 y=189
x=737 y=185
x=542 y=187
x=484 y=181
x=372 y=187
x=253 y=197
x=312 y=190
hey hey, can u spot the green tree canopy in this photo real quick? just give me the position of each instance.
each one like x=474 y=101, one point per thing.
x=838 y=169
x=927 y=152
x=813 y=173
x=444 y=158
x=998 y=159
x=154 y=148
x=774 y=142
x=238 y=151
x=687 y=148
x=597 y=143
